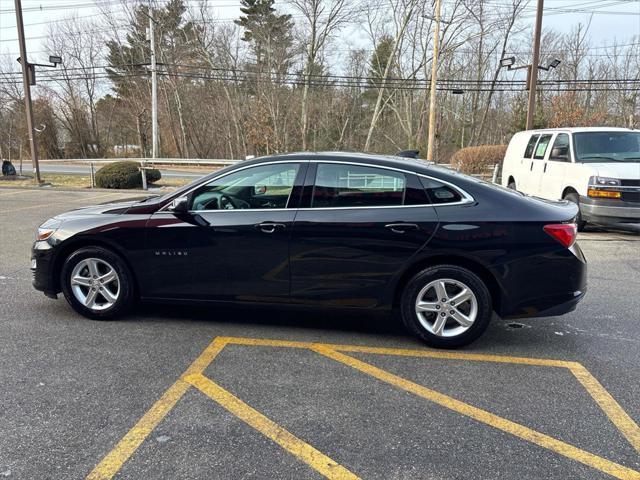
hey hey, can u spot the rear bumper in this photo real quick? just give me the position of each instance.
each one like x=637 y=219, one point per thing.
x=607 y=211
x=545 y=285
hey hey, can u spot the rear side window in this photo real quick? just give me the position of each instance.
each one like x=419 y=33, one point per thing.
x=440 y=193
x=339 y=185
x=541 y=148
x=531 y=145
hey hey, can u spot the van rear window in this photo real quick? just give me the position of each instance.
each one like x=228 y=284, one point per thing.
x=531 y=145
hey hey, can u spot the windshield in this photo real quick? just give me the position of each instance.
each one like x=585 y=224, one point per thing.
x=592 y=147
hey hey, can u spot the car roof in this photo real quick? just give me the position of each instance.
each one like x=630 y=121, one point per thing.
x=580 y=130
x=402 y=163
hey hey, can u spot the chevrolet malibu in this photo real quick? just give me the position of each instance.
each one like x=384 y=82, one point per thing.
x=324 y=230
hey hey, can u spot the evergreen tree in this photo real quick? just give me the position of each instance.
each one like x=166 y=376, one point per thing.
x=268 y=33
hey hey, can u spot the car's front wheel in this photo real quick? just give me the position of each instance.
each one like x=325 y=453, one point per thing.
x=573 y=197
x=97 y=283
x=447 y=306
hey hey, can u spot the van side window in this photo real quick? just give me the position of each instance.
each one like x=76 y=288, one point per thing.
x=531 y=145
x=560 y=149
x=541 y=148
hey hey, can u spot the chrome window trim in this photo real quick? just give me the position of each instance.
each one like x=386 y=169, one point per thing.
x=466 y=197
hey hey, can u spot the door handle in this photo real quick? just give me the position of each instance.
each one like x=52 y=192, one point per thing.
x=401 y=227
x=270 y=227
x=545 y=168
x=531 y=167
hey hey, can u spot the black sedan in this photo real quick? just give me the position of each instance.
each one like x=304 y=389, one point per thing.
x=324 y=230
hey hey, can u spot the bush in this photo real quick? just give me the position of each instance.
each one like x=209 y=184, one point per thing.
x=475 y=160
x=124 y=175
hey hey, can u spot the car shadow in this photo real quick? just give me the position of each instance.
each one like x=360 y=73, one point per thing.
x=360 y=321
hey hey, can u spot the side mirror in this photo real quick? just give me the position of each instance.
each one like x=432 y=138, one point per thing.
x=179 y=205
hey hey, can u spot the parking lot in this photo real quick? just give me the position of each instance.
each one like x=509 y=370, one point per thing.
x=210 y=392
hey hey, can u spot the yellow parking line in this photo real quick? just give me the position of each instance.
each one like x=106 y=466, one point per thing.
x=114 y=460
x=607 y=403
x=302 y=450
x=525 y=433
x=543 y=362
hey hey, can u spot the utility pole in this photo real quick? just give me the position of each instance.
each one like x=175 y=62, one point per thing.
x=154 y=88
x=434 y=83
x=27 y=92
x=533 y=68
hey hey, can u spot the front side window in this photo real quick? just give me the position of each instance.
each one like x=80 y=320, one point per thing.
x=560 y=148
x=340 y=185
x=607 y=146
x=262 y=186
x=531 y=145
x=541 y=147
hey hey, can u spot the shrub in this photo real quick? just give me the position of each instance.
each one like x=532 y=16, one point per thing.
x=475 y=160
x=124 y=175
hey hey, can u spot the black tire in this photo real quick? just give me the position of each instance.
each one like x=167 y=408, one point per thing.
x=573 y=197
x=126 y=291
x=512 y=185
x=453 y=272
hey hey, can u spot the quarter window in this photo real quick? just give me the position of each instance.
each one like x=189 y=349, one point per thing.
x=439 y=192
x=339 y=185
x=541 y=147
x=262 y=186
x=531 y=145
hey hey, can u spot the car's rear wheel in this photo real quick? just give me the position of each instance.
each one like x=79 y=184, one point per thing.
x=97 y=283
x=447 y=306
x=512 y=184
x=573 y=197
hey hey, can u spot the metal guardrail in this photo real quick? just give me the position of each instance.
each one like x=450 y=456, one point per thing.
x=154 y=161
x=145 y=164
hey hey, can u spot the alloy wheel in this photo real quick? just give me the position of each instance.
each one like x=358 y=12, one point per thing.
x=446 y=307
x=95 y=284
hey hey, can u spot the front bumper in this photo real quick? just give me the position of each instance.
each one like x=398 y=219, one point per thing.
x=42 y=268
x=606 y=211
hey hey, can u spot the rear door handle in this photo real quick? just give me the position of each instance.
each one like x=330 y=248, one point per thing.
x=401 y=227
x=270 y=227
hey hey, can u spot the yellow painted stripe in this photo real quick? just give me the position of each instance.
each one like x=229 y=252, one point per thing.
x=607 y=403
x=114 y=460
x=542 y=362
x=520 y=431
x=300 y=449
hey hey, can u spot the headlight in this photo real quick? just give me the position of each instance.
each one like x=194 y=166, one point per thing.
x=604 y=182
x=47 y=229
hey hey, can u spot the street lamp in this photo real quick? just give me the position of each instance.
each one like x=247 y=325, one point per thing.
x=532 y=78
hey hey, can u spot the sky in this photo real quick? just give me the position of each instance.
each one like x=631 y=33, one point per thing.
x=611 y=20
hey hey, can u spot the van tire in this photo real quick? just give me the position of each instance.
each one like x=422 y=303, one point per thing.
x=573 y=197
x=512 y=185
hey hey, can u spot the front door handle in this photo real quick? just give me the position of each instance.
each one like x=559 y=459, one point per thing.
x=270 y=227
x=401 y=227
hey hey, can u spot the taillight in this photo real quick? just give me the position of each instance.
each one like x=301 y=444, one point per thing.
x=565 y=233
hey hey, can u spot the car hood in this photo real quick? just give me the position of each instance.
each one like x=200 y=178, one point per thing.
x=629 y=170
x=111 y=208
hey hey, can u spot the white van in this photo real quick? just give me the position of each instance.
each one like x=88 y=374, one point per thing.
x=597 y=167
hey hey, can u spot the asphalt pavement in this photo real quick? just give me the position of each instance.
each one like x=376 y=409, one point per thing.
x=228 y=393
